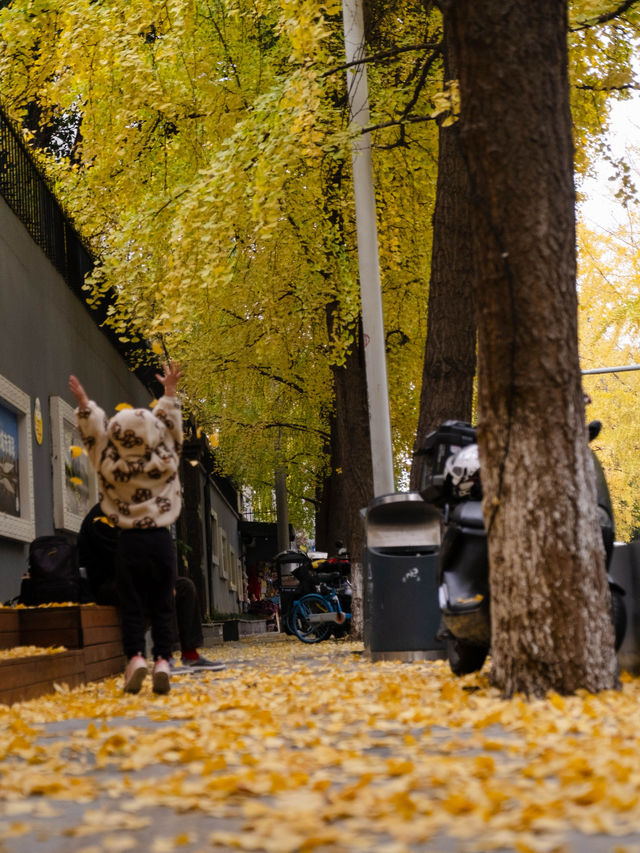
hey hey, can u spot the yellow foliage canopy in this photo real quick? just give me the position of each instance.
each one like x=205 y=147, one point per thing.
x=203 y=151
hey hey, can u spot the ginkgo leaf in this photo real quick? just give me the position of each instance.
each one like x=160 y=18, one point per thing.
x=76 y=451
x=298 y=747
x=102 y=519
x=121 y=406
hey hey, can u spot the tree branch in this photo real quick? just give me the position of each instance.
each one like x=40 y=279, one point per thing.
x=263 y=371
x=385 y=54
x=623 y=87
x=396 y=122
x=426 y=68
x=298 y=428
x=605 y=18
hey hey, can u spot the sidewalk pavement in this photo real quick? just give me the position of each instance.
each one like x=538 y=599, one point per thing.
x=315 y=748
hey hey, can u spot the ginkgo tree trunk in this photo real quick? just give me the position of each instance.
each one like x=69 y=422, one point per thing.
x=551 y=626
x=450 y=349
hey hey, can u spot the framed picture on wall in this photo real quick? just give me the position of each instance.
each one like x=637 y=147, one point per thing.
x=17 y=512
x=75 y=484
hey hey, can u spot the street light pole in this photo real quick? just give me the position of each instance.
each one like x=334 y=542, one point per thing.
x=621 y=369
x=368 y=261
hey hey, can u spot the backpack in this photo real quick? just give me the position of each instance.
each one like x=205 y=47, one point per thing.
x=54 y=574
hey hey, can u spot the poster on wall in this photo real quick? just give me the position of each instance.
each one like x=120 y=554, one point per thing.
x=9 y=471
x=77 y=490
x=75 y=485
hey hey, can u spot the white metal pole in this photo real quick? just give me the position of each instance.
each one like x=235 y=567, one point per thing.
x=611 y=369
x=368 y=261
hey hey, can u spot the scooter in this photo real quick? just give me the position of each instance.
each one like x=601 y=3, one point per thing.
x=452 y=482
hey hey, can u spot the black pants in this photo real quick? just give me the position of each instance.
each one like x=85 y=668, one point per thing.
x=187 y=619
x=188 y=616
x=146 y=575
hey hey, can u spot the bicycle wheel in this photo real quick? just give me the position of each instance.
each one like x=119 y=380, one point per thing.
x=303 y=627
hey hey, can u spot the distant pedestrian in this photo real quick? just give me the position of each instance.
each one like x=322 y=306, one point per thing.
x=137 y=455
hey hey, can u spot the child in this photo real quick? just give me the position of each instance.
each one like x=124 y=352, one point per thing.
x=137 y=454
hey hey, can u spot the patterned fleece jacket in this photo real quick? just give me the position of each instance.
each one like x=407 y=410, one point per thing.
x=136 y=454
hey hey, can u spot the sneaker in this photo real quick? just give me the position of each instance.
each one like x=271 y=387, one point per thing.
x=203 y=663
x=161 y=676
x=135 y=674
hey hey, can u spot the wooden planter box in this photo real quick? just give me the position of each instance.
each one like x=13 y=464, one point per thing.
x=74 y=626
x=102 y=642
x=93 y=629
x=92 y=635
x=27 y=678
x=9 y=628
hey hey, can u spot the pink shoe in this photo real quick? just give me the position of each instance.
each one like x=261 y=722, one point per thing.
x=161 y=676
x=135 y=674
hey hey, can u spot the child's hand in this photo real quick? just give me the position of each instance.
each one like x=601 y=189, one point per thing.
x=78 y=392
x=170 y=378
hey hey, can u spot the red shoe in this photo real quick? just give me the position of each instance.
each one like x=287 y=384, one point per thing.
x=161 y=676
x=135 y=674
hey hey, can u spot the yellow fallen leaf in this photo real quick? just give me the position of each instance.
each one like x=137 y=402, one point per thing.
x=75 y=451
x=119 y=843
x=15 y=829
x=557 y=701
x=30 y=651
x=122 y=406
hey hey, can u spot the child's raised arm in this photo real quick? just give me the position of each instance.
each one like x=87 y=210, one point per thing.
x=78 y=392
x=169 y=378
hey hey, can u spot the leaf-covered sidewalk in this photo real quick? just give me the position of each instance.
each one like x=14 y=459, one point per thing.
x=301 y=748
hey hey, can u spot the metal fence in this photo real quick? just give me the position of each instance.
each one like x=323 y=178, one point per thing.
x=26 y=192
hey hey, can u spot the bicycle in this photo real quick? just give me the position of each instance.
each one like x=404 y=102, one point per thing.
x=314 y=616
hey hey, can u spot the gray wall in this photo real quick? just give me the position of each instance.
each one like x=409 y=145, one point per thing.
x=224 y=598
x=209 y=526
x=47 y=333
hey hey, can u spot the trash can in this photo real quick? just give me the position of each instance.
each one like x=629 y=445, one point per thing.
x=401 y=613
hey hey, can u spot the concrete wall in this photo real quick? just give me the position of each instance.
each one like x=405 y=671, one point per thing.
x=46 y=334
x=227 y=569
x=209 y=527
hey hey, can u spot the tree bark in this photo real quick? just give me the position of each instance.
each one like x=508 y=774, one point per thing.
x=551 y=628
x=348 y=486
x=450 y=350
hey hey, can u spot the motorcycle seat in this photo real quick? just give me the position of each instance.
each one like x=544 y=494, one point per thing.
x=469 y=514
x=331 y=578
